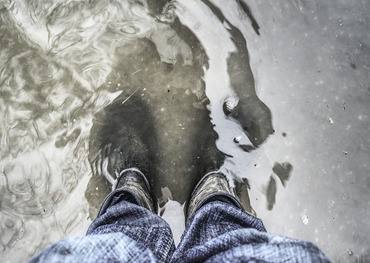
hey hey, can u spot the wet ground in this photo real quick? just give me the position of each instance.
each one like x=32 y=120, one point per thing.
x=275 y=95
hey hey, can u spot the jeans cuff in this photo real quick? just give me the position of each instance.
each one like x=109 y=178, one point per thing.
x=221 y=198
x=116 y=197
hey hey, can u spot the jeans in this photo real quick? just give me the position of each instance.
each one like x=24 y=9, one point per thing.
x=217 y=232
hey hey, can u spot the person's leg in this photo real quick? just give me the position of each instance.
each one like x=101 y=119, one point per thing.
x=219 y=230
x=126 y=229
x=122 y=148
x=129 y=210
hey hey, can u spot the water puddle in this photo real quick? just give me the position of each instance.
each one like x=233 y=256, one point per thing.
x=75 y=75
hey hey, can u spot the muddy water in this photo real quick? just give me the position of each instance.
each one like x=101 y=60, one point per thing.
x=199 y=82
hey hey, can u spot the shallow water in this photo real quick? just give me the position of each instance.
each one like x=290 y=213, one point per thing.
x=75 y=72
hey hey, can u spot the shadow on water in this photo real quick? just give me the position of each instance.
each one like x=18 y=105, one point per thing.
x=251 y=113
x=168 y=102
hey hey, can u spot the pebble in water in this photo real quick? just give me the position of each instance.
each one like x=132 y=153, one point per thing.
x=237 y=139
x=231 y=103
x=304 y=218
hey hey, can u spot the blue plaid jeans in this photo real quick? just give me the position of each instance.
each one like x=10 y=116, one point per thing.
x=217 y=232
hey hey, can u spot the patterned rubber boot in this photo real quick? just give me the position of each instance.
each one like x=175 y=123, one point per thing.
x=213 y=186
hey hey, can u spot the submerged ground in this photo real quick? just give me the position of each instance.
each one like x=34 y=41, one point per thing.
x=296 y=147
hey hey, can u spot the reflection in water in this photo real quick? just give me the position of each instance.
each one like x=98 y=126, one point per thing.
x=77 y=74
x=170 y=102
x=283 y=171
x=252 y=114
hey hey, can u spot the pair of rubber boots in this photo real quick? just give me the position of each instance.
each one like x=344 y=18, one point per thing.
x=213 y=186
